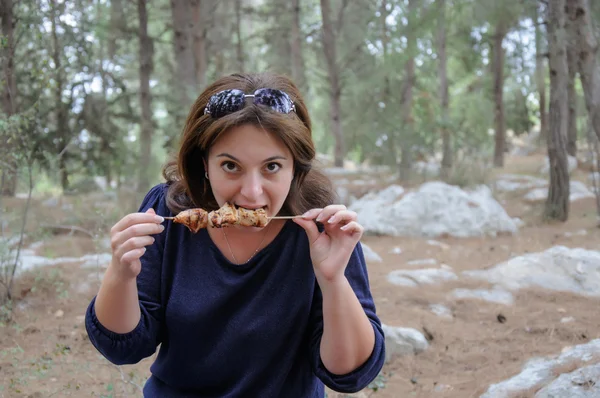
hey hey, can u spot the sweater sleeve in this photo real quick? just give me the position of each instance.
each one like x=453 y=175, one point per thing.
x=356 y=273
x=140 y=343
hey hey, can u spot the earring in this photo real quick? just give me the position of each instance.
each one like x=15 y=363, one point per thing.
x=206 y=175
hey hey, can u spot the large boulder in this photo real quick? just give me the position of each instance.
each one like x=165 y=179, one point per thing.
x=559 y=268
x=403 y=341
x=435 y=209
x=544 y=374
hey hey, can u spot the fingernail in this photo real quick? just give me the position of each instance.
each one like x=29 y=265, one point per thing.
x=159 y=219
x=345 y=227
x=331 y=220
x=162 y=227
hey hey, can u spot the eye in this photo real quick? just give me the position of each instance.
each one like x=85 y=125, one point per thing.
x=273 y=167
x=229 y=167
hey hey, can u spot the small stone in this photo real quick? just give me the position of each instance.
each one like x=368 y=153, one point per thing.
x=59 y=314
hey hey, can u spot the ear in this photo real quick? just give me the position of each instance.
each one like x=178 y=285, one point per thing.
x=205 y=164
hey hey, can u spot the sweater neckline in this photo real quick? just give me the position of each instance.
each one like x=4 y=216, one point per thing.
x=222 y=259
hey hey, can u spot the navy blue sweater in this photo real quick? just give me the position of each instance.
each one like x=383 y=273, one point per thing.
x=229 y=330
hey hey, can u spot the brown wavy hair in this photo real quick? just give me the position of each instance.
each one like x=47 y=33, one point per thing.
x=187 y=186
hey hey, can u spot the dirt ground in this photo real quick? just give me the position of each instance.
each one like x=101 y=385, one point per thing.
x=44 y=350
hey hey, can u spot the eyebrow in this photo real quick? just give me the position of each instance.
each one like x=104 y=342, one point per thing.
x=269 y=159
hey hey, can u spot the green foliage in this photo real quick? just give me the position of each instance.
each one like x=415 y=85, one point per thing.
x=78 y=76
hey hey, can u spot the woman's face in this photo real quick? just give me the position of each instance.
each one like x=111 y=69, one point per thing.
x=250 y=168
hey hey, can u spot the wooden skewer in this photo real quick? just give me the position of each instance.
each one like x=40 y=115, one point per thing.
x=270 y=218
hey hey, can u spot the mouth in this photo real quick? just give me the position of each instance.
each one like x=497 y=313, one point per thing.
x=250 y=207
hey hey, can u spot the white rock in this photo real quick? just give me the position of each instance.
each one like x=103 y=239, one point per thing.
x=577 y=191
x=395 y=250
x=571 y=165
x=403 y=341
x=538 y=372
x=580 y=232
x=441 y=310
x=370 y=254
x=514 y=182
x=581 y=383
x=420 y=277
x=425 y=261
x=435 y=209
x=432 y=242
x=496 y=295
x=567 y=319
x=559 y=268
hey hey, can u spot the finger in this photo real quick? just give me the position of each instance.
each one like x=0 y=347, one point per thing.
x=133 y=231
x=132 y=256
x=343 y=217
x=329 y=211
x=310 y=227
x=134 y=244
x=311 y=214
x=136 y=218
x=353 y=228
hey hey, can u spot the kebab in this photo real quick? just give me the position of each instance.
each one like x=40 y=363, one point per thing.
x=198 y=218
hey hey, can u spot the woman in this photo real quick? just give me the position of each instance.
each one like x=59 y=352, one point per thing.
x=242 y=311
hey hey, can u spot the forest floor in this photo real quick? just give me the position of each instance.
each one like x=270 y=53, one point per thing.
x=44 y=350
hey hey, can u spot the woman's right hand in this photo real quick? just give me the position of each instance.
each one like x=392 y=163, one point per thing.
x=129 y=238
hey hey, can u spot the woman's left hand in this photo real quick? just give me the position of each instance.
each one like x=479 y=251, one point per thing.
x=331 y=249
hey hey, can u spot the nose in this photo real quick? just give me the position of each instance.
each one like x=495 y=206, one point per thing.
x=252 y=186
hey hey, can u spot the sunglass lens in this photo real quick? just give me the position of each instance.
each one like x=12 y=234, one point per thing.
x=274 y=99
x=225 y=102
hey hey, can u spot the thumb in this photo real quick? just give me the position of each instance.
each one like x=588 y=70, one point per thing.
x=151 y=211
x=310 y=227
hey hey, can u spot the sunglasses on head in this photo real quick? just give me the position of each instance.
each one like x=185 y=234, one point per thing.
x=229 y=101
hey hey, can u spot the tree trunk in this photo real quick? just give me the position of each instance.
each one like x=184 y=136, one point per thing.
x=296 y=47
x=587 y=65
x=407 y=97
x=185 y=76
x=9 y=92
x=335 y=90
x=387 y=86
x=557 y=203
x=443 y=72
x=146 y=66
x=571 y=93
x=199 y=35
x=239 y=49
x=118 y=25
x=540 y=76
x=498 y=67
x=62 y=117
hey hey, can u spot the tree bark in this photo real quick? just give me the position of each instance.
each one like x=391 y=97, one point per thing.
x=238 y=33
x=118 y=24
x=335 y=90
x=296 y=47
x=146 y=53
x=571 y=93
x=498 y=68
x=443 y=72
x=407 y=97
x=62 y=117
x=185 y=76
x=387 y=86
x=199 y=35
x=589 y=70
x=540 y=76
x=557 y=202
x=8 y=186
